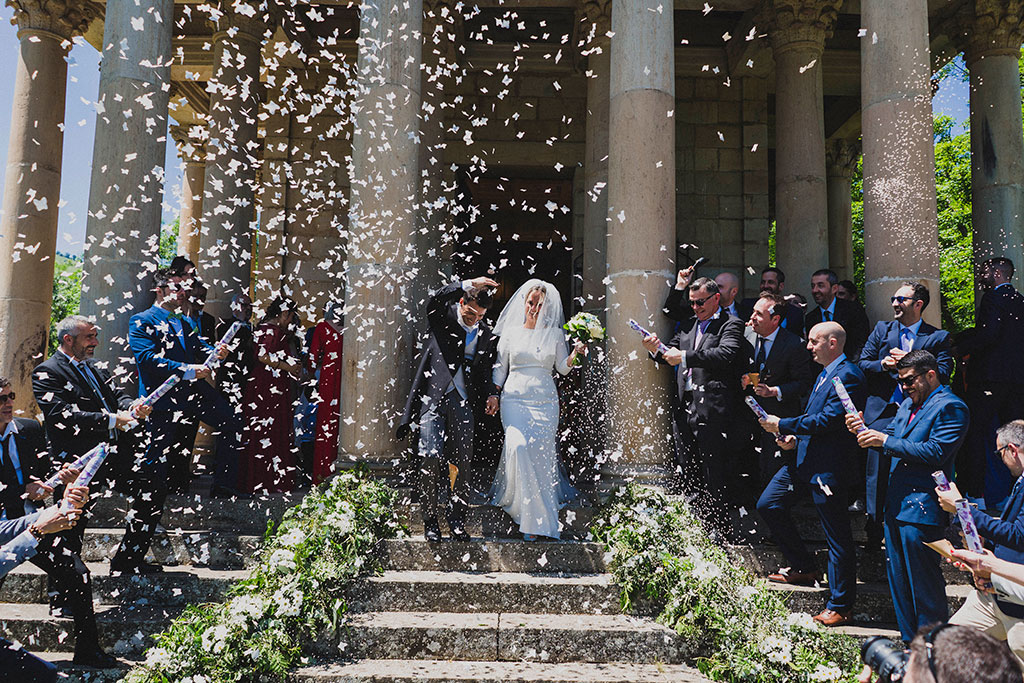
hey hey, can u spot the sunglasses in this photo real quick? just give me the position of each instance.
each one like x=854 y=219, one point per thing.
x=908 y=381
x=929 y=648
x=5 y=397
x=901 y=299
x=697 y=303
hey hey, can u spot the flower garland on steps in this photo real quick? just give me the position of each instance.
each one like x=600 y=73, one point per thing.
x=295 y=593
x=666 y=565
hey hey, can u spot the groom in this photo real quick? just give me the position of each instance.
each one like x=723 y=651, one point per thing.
x=452 y=376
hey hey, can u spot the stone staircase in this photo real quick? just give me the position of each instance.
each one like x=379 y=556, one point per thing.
x=494 y=609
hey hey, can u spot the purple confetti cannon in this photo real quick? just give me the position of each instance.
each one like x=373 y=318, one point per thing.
x=78 y=464
x=940 y=480
x=85 y=478
x=160 y=391
x=844 y=396
x=212 y=360
x=963 y=513
x=756 y=407
x=644 y=333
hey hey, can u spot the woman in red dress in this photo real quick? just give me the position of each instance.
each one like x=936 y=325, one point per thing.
x=269 y=400
x=325 y=356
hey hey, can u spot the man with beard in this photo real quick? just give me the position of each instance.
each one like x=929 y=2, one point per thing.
x=849 y=314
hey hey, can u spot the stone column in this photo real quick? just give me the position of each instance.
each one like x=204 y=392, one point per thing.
x=28 y=224
x=900 y=221
x=380 y=314
x=127 y=188
x=641 y=236
x=192 y=150
x=595 y=210
x=842 y=156
x=997 y=142
x=225 y=244
x=798 y=29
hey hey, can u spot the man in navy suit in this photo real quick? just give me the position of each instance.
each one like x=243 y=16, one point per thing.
x=888 y=343
x=824 y=457
x=164 y=344
x=922 y=438
x=997 y=616
x=995 y=373
x=774 y=280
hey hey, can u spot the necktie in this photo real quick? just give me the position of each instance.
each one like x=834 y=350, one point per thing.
x=761 y=355
x=86 y=372
x=906 y=341
x=821 y=379
x=826 y=315
x=11 y=495
x=470 y=336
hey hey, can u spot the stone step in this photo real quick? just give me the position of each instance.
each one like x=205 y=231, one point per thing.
x=511 y=637
x=176 y=586
x=467 y=592
x=493 y=522
x=864 y=631
x=764 y=559
x=874 y=600
x=443 y=671
x=194 y=511
x=71 y=673
x=216 y=549
x=557 y=557
x=124 y=630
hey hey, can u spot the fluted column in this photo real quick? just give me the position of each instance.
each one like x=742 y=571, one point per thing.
x=225 y=244
x=192 y=150
x=126 y=192
x=900 y=220
x=798 y=29
x=641 y=235
x=841 y=158
x=28 y=223
x=995 y=33
x=597 y=24
x=382 y=257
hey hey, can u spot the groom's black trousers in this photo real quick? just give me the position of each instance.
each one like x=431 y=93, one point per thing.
x=449 y=423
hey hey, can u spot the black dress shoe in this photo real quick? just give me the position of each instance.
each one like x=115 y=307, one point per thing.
x=432 y=532
x=61 y=612
x=143 y=568
x=96 y=659
x=460 y=535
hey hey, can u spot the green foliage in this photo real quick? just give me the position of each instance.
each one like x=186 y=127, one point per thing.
x=665 y=564
x=67 y=294
x=168 y=248
x=296 y=592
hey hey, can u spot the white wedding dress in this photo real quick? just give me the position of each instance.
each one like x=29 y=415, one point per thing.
x=529 y=484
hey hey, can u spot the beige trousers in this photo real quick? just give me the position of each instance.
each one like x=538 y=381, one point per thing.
x=980 y=611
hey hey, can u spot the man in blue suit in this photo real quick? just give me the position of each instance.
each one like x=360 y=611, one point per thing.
x=889 y=342
x=997 y=616
x=163 y=344
x=825 y=453
x=922 y=438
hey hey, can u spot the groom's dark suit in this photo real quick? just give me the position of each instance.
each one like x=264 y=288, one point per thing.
x=441 y=402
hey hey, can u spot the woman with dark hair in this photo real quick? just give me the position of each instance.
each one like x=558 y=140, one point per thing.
x=269 y=397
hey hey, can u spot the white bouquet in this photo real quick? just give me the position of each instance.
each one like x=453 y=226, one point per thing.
x=584 y=327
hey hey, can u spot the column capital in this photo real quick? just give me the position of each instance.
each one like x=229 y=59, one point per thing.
x=841 y=157
x=62 y=18
x=250 y=18
x=191 y=142
x=595 y=17
x=989 y=27
x=799 y=23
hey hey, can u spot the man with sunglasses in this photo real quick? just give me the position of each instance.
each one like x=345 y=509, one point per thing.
x=888 y=343
x=707 y=352
x=945 y=653
x=923 y=437
x=998 y=616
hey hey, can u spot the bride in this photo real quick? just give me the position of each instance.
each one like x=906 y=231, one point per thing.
x=529 y=484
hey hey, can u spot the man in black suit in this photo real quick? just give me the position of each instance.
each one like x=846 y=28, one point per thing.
x=24 y=464
x=889 y=342
x=453 y=376
x=707 y=353
x=782 y=366
x=729 y=287
x=849 y=314
x=995 y=371
x=236 y=369
x=774 y=280
x=82 y=408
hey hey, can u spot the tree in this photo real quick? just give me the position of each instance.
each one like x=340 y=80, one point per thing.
x=67 y=293
x=168 y=248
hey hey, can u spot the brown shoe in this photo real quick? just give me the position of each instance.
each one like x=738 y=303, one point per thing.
x=832 y=618
x=788 y=576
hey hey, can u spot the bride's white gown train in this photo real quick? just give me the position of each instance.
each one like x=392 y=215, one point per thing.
x=529 y=483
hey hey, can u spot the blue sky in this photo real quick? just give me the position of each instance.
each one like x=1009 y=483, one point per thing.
x=80 y=117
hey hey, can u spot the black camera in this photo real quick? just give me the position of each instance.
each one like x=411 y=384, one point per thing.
x=887 y=659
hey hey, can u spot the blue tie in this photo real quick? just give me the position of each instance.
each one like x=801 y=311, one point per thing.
x=821 y=379
x=470 y=336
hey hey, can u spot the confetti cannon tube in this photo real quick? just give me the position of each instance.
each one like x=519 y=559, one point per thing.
x=212 y=359
x=85 y=478
x=756 y=407
x=844 y=396
x=940 y=480
x=78 y=464
x=963 y=513
x=644 y=333
x=160 y=391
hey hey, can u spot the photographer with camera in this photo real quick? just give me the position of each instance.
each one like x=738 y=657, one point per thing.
x=942 y=653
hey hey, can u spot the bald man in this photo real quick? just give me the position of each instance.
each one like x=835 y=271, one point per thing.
x=728 y=287
x=826 y=453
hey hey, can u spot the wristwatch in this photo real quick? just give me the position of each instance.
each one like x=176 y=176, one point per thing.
x=36 y=533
